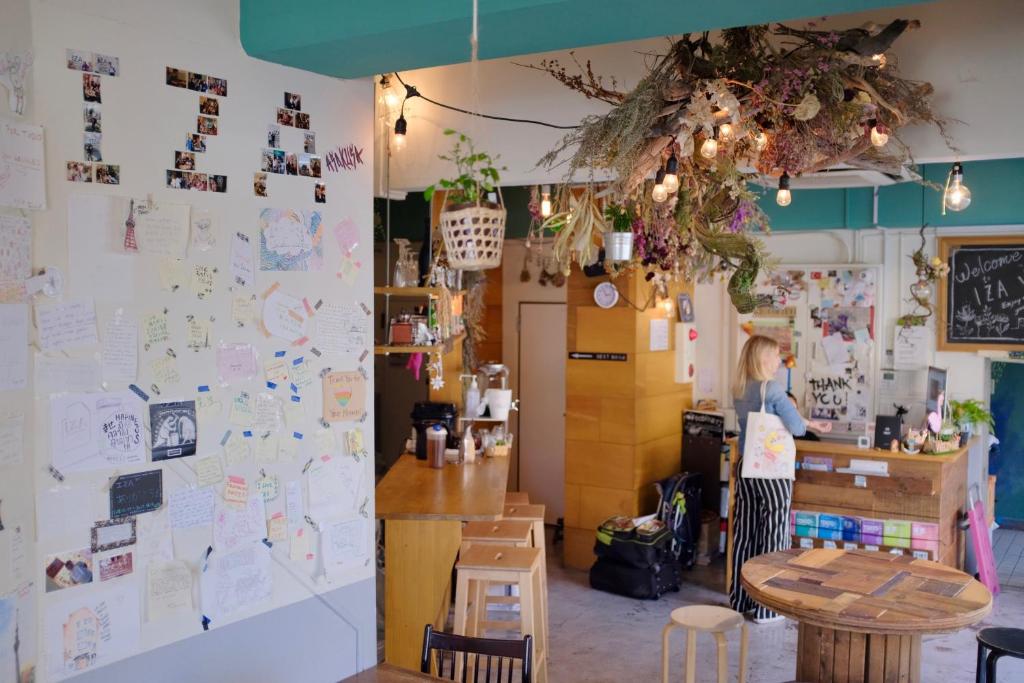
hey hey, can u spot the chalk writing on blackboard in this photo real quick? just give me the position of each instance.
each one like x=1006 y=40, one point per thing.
x=134 y=494
x=986 y=295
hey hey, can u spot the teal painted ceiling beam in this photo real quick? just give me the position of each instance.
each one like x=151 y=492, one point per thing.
x=354 y=39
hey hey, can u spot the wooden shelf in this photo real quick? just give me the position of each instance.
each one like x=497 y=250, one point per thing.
x=413 y=292
x=404 y=348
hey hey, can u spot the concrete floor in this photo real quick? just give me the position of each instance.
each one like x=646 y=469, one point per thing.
x=602 y=638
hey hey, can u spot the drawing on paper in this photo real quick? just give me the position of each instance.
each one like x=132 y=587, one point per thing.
x=174 y=429
x=290 y=240
x=96 y=430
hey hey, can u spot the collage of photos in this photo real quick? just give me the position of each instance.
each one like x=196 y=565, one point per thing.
x=288 y=163
x=90 y=62
x=184 y=175
x=275 y=159
x=92 y=66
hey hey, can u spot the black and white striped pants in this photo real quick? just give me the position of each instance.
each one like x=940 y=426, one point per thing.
x=760 y=525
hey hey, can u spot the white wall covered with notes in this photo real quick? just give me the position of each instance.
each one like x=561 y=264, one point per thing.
x=193 y=500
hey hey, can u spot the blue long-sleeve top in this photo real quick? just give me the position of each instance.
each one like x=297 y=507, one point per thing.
x=775 y=403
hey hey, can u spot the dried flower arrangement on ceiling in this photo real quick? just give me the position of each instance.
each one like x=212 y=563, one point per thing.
x=709 y=118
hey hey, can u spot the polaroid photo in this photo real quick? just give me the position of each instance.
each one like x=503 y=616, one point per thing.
x=111 y=534
x=91 y=88
x=285 y=117
x=267 y=161
x=210 y=106
x=279 y=162
x=115 y=566
x=302 y=120
x=79 y=172
x=197 y=82
x=177 y=77
x=108 y=174
x=320 y=193
x=200 y=182
x=80 y=60
x=293 y=101
x=306 y=165
x=259 y=184
x=206 y=125
x=93 y=118
x=176 y=180
x=684 y=307
x=309 y=143
x=195 y=143
x=68 y=569
x=107 y=65
x=273 y=135
x=291 y=163
x=91 y=146
x=173 y=426
x=217 y=86
x=185 y=161
x=218 y=183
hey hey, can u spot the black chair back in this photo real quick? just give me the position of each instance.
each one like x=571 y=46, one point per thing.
x=491 y=660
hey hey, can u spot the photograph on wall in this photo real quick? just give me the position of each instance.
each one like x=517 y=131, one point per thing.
x=290 y=240
x=209 y=106
x=218 y=183
x=185 y=161
x=177 y=77
x=302 y=120
x=199 y=181
x=80 y=60
x=79 y=172
x=68 y=569
x=285 y=117
x=309 y=143
x=259 y=184
x=206 y=125
x=93 y=117
x=291 y=163
x=91 y=150
x=107 y=65
x=194 y=142
x=309 y=165
x=293 y=101
x=173 y=426
x=108 y=174
x=273 y=135
x=91 y=88
x=197 y=82
x=115 y=566
x=320 y=193
x=217 y=86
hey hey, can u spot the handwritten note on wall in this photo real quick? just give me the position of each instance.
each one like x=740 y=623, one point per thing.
x=15 y=248
x=162 y=228
x=67 y=325
x=13 y=346
x=23 y=181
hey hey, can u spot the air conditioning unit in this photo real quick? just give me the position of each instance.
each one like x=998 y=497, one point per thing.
x=842 y=176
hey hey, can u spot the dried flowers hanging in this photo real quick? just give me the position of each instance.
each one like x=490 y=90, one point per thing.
x=760 y=102
x=929 y=272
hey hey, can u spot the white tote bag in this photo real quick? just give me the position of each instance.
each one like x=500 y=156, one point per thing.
x=768 y=448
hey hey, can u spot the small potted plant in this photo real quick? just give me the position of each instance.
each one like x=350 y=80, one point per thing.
x=969 y=413
x=618 y=242
x=473 y=226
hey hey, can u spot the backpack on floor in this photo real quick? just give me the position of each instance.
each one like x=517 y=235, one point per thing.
x=642 y=583
x=679 y=509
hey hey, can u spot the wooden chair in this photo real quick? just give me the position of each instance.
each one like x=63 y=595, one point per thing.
x=501 y=657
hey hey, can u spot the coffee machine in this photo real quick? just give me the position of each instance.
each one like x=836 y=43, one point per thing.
x=427 y=413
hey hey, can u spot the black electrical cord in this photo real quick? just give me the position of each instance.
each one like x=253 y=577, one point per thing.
x=411 y=91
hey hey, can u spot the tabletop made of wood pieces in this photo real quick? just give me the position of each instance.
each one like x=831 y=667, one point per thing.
x=386 y=673
x=866 y=592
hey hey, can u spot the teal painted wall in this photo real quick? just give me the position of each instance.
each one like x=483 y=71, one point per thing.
x=997 y=192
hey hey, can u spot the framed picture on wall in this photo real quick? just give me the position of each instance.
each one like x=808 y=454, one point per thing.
x=685 y=307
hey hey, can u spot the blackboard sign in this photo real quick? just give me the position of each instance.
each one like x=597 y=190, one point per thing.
x=985 y=293
x=133 y=494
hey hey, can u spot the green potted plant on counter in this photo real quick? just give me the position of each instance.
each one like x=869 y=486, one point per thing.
x=618 y=242
x=472 y=224
x=969 y=413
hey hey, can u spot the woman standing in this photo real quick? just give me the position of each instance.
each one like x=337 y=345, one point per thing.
x=761 y=513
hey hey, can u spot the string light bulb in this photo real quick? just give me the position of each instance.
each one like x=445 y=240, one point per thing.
x=709 y=150
x=659 y=193
x=671 y=181
x=956 y=196
x=879 y=60
x=725 y=132
x=760 y=140
x=784 y=197
x=398 y=139
x=878 y=135
x=545 y=201
x=389 y=92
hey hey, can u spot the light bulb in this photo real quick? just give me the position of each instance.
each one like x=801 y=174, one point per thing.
x=666 y=306
x=398 y=139
x=760 y=140
x=659 y=193
x=879 y=60
x=545 y=205
x=784 y=196
x=389 y=93
x=725 y=132
x=878 y=136
x=671 y=181
x=956 y=197
x=709 y=150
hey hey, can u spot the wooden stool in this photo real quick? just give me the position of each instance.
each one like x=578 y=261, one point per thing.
x=535 y=515
x=517 y=498
x=515 y=533
x=710 y=619
x=994 y=643
x=482 y=565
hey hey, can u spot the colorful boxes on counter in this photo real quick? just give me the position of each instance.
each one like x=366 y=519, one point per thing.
x=922 y=538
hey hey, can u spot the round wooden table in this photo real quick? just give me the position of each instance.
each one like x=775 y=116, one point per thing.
x=862 y=613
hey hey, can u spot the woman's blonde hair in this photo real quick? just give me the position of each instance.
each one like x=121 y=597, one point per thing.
x=752 y=366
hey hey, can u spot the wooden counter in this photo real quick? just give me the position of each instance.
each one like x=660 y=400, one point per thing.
x=423 y=510
x=922 y=488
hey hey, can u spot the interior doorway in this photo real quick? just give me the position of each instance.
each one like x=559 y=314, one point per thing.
x=1007 y=405
x=541 y=380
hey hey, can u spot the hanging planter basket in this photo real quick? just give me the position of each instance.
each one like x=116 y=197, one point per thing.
x=474 y=234
x=618 y=246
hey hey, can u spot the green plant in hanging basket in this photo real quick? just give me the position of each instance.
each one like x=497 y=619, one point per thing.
x=478 y=174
